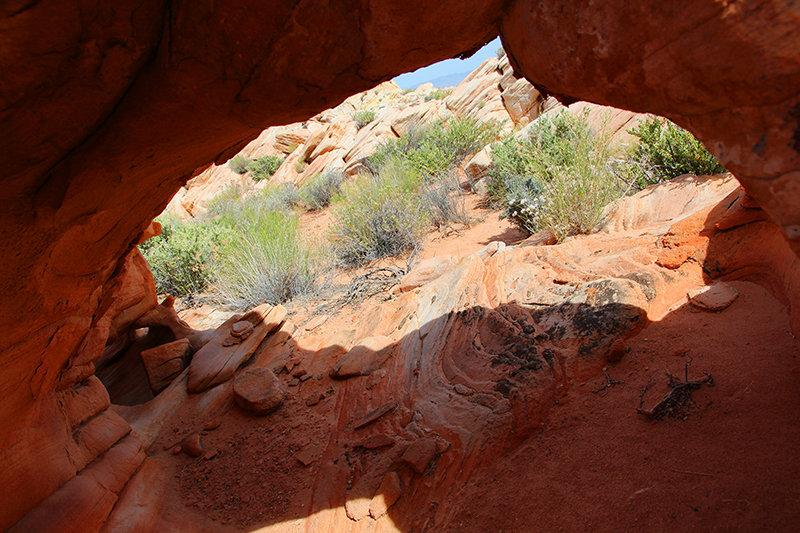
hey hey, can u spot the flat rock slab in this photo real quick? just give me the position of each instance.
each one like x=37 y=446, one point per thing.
x=419 y=455
x=363 y=359
x=714 y=297
x=258 y=391
x=218 y=360
x=375 y=414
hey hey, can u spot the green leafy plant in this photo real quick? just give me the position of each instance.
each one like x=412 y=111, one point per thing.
x=238 y=163
x=264 y=167
x=559 y=179
x=319 y=191
x=180 y=257
x=363 y=117
x=437 y=148
x=665 y=151
x=378 y=217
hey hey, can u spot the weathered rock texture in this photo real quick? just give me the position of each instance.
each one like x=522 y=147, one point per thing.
x=107 y=109
x=491 y=358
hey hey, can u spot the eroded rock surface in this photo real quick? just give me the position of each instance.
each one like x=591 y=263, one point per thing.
x=107 y=110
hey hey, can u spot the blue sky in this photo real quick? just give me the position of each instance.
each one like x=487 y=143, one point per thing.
x=411 y=80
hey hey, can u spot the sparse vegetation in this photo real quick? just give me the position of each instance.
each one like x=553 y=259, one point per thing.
x=238 y=163
x=438 y=94
x=559 y=179
x=379 y=216
x=363 y=117
x=264 y=259
x=435 y=149
x=500 y=52
x=666 y=151
x=319 y=191
x=264 y=167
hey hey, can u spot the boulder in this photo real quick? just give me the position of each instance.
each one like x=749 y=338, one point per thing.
x=258 y=391
x=715 y=297
x=363 y=358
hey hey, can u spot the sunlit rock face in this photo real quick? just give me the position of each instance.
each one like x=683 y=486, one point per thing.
x=106 y=110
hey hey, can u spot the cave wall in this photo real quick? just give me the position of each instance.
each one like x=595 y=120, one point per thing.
x=108 y=108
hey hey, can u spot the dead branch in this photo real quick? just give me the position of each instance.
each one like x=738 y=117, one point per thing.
x=675 y=402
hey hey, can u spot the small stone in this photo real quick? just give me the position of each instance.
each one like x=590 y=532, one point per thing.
x=176 y=450
x=242 y=329
x=617 y=351
x=245 y=499
x=714 y=297
x=390 y=491
x=298 y=371
x=258 y=391
x=210 y=455
x=315 y=398
x=419 y=455
x=294 y=382
x=192 y=446
x=463 y=390
x=211 y=425
x=308 y=454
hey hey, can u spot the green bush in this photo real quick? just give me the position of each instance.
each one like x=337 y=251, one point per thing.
x=438 y=94
x=379 y=216
x=264 y=167
x=263 y=260
x=363 y=117
x=665 y=151
x=559 y=179
x=319 y=191
x=180 y=257
x=238 y=163
x=435 y=149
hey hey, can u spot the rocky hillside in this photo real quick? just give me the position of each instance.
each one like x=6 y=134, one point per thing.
x=334 y=140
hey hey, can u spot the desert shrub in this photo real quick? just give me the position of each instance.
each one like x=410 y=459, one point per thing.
x=263 y=260
x=238 y=163
x=319 y=191
x=264 y=167
x=363 y=117
x=500 y=53
x=437 y=148
x=379 y=216
x=559 y=179
x=180 y=257
x=231 y=206
x=665 y=151
x=438 y=94
x=443 y=200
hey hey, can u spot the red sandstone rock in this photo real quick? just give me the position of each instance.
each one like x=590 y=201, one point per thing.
x=420 y=454
x=389 y=492
x=363 y=358
x=715 y=297
x=216 y=363
x=164 y=363
x=258 y=391
x=727 y=72
x=192 y=446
